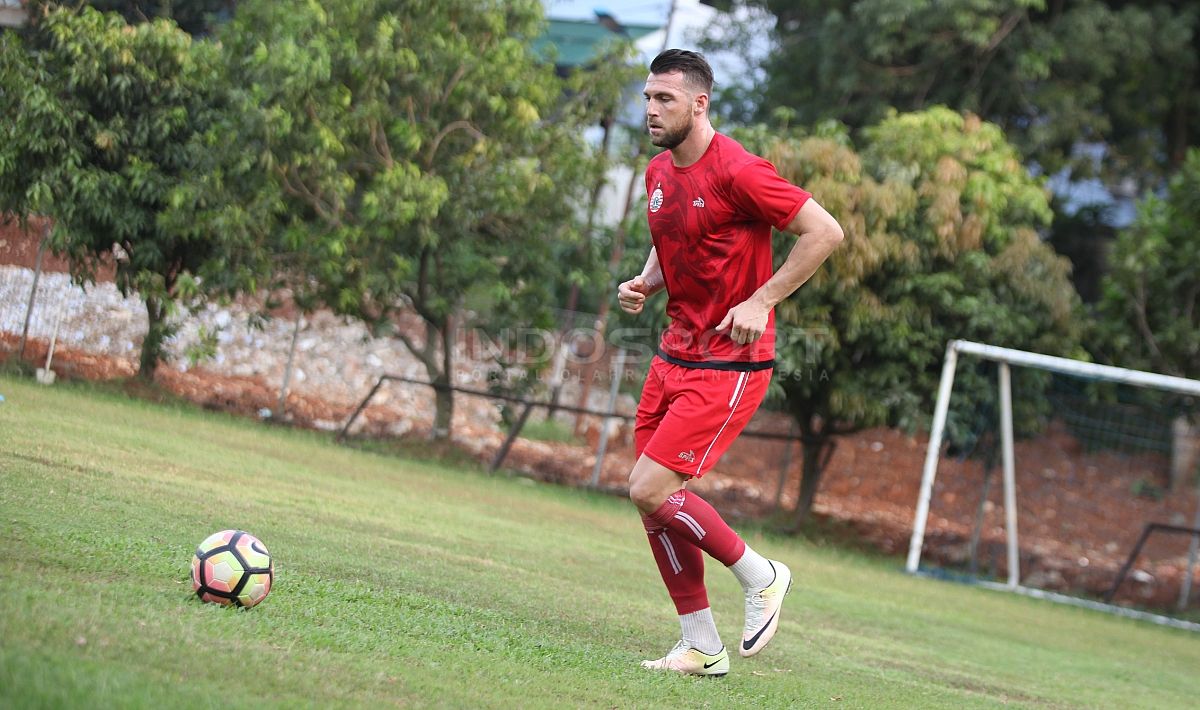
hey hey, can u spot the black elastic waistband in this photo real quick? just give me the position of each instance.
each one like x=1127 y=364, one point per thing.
x=718 y=364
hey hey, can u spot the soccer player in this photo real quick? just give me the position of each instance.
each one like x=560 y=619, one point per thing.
x=711 y=209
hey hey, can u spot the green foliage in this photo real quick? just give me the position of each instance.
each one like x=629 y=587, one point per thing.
x=1052 y=75
x=206 y=346
x=1150 y=309
x=403 y=155
x=941 y=223
x=193 y=16
x=106 y=128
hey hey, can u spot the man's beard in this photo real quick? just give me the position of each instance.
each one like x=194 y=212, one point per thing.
x=670 y=139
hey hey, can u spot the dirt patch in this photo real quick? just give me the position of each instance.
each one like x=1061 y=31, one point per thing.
x=19 y=247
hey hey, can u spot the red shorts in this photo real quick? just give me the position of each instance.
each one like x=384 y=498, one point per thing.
x=688 y=416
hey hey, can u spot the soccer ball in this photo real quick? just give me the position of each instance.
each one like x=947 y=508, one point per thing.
x=232 y=567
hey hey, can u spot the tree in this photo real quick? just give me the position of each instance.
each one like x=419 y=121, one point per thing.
x=1124 y=76
x=416 y=157
x=193 y=16
x=1085 y=237
x=941 y=223
x=1150 y=308
x=105 y=128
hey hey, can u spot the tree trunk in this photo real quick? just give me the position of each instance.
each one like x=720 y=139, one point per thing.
x=443 y=407
x=156 y=334
x=443 y=416
x=440 y=372
x=614 y=261
x=1185 y=452
x=817 y=449
x=980 y=513
x=593 y=207
x=37 y=273
x=990 y=459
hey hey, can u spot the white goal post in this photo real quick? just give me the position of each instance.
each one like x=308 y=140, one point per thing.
x=1007 y=357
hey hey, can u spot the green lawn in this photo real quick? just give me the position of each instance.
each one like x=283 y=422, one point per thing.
x=406 y=583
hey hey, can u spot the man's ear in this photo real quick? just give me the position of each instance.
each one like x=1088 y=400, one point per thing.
x=701 y=105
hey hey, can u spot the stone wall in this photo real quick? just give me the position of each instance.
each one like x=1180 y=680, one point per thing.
x=337 y=360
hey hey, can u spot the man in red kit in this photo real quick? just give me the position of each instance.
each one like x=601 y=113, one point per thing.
x=712 y=207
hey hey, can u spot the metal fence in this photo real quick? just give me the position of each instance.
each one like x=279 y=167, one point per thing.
x=528 y=405
x=319 y=355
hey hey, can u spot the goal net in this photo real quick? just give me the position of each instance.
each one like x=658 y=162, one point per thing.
x=1065 y=480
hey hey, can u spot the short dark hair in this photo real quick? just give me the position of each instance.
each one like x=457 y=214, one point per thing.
x=693 y=65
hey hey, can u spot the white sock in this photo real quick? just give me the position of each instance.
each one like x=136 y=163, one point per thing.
x=753 y=570
x=700 y=631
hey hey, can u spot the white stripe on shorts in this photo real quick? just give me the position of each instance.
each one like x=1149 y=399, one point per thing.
x=737 y=388
x=742 y=382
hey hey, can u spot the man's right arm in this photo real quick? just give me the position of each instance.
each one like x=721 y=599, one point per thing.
x=632 y=294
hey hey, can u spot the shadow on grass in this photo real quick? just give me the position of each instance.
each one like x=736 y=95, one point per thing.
x=418 y=448
x=10 y=366
x=134 y=388
x=126 y=388
x=817 y=530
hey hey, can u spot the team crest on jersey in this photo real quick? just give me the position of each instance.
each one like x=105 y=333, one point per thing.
x=656 y=199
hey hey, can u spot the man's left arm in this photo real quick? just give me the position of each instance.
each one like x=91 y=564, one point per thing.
x=817 y=235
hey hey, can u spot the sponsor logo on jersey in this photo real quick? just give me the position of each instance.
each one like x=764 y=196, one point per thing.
x=689 y=456
x=698 y=202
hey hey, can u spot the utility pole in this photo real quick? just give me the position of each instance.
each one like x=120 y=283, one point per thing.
x=618 y=249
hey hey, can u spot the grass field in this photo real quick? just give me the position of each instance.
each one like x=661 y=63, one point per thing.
x=409 y=583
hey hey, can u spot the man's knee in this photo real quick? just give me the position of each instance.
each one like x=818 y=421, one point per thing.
x=645 y=496
x=650 y=484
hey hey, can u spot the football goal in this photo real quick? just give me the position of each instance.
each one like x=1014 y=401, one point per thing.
x=1096 y=499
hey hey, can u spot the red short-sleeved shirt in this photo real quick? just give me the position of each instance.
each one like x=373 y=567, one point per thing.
x=711 y=226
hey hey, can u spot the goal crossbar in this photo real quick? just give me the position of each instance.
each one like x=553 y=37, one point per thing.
x=1006 y=357
x=1090 y=370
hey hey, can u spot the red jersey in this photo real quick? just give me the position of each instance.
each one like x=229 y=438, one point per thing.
x=711 y=225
